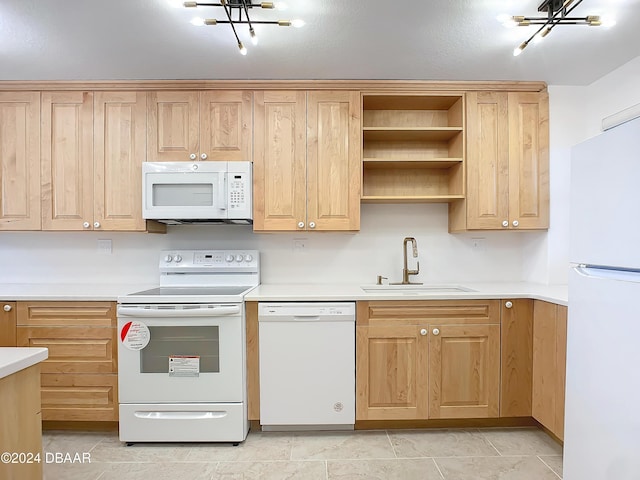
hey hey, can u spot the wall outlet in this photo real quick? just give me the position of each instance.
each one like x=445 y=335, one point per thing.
x=105 y=246
x=478 y=244
x=299 y=245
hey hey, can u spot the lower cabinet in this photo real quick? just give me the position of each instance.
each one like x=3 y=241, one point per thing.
x=8 y=324
x=79 y=380
x=549 y=365
x=427 y=360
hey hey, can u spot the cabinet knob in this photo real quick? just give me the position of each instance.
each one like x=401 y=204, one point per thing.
x=505 y=223
x=193 y=156
x=423 y=332
x=7 y=308
x=312 y=224
x=516 y=223
x=96 y=224
x=86 y=225
x=300 y=224
x=508 y=304
x=436 y=331
x=203 y=156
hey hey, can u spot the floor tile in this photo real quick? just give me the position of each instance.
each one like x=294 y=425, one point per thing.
x=258 y=446
x=72 y=442
x=112 y=450
x=521 y=441
x=554 y=462
x=159 y=471
x=341 y=445
x=391 y=469
x=440 y=443
x=84 y=471
x=301 y=470
x=494 y=468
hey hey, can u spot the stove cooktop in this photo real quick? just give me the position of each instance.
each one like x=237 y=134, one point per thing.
x=192 y=291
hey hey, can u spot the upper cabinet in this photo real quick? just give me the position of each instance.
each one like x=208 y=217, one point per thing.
x=507 y=163
x=93 y=146
x=413 y=147
x=307 y=161
x=19 y=161
x=192 y=125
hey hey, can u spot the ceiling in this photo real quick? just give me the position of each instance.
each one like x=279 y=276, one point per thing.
x=342 y=39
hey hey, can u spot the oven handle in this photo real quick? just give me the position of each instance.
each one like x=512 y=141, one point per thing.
x=195 y=312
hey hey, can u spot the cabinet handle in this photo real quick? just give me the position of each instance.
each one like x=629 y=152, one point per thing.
x=86 y=225
x=193 y=156
x=423 y=332
x=436 y=331
x=508 y=304
x=516 y=223
x=203 y=156
x=300 y=224
x=7 y=308
x=312 y=224
x=505 y=223
x=96 y=224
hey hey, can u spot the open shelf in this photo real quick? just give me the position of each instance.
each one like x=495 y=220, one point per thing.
x=434 y=134
x=410 y=163
x=411 y=199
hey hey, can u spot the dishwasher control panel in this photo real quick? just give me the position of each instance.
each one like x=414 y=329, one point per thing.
x=328 y=310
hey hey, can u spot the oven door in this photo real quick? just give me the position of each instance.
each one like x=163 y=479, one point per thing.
x=181 y=353
x=184 y=190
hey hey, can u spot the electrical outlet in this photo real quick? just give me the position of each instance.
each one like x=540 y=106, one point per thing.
x=105 y=246
x=299 y=245
x=478 y=244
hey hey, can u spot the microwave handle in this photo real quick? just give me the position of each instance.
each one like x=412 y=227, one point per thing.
x=222 y=191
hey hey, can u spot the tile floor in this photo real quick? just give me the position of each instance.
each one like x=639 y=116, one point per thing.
x=449 y=454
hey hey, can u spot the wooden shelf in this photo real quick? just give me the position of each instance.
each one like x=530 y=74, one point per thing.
x=410 y=163
x=411 y=198
x=437 y=134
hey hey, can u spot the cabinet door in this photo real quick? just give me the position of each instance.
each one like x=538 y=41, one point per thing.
x=20 y=161
x=67 y=160
x=464 y=371
x=225 y=125
x=529 y=159
x=391 y=373
x=120 y=123
x=561 y=377
x=333 y=161
x=487 y=160
x=8 y=324
x=279 y=167
x=174 y=126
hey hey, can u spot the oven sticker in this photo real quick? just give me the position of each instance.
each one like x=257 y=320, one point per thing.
x=184 y=366
x=135 y=335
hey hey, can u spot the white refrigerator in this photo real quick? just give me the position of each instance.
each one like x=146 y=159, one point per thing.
x=602 y=411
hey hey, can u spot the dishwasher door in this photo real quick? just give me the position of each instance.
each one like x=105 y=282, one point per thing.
x=307 y=365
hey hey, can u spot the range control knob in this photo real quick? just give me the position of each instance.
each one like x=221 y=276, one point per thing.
x=168 y=258
x=177 y=258
x=229 y=258
x=248 y=258
x=239 y=258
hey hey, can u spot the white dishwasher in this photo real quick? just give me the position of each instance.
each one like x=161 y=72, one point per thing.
x=307 y=365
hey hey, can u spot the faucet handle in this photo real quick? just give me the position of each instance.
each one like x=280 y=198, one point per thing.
x=380 y=278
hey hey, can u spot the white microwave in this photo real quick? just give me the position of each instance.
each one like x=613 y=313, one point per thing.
x=178 y=193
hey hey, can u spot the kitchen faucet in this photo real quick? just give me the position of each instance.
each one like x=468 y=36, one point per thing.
x=405 y=271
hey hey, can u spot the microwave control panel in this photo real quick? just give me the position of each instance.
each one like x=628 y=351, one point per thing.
x=239 y=194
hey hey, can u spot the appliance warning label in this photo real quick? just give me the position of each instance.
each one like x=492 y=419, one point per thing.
x=135 y=335
x=184 y=366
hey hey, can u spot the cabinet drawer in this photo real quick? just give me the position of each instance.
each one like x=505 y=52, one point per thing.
x=95 y=314
x=79 y=397
x=421 y=312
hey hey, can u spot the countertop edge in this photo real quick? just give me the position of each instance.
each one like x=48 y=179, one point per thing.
x=15 y=359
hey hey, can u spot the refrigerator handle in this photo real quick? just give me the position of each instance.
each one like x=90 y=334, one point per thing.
x=621 y=275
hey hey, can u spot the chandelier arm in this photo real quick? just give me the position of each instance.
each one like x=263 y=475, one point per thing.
x=231 y=22
x=246 y=13
x=551 y=22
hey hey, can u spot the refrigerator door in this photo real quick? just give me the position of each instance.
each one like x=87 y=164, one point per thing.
x=605 y=195
x=602 y=419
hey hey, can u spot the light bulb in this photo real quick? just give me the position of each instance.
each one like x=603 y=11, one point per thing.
x=607 y=21
x=281 y=6
x=243 y=50
x=540 y=36
x=518 y=50
x=254 y=37
x=298 y=23
x=197 y=21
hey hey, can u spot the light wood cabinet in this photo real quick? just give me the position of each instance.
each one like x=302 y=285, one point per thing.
x=8 y=324
x=20 y=161
x=413 y=147
x=549 y=365
x=192 y=125
x=507 y=163
x=307 y=161
x=427 y=360
x=79 y=379
x=93 y=147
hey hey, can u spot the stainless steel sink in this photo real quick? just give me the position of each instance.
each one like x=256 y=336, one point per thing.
x=414 y=289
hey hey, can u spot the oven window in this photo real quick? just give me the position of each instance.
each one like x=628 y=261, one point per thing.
x=180 y=340
x=182 y=195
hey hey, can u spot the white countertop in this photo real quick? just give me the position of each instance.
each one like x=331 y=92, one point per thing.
x=342 y=292
x=14 y=359
x=69 y=291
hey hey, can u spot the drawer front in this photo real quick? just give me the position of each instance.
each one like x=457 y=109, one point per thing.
x=94 y=314
x=79 y=397
x=423 y=312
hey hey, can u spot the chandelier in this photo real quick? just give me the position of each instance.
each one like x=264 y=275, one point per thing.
x=237 y=13
x=557 y=13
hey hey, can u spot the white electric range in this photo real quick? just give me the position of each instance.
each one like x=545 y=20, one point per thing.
x=182 y=350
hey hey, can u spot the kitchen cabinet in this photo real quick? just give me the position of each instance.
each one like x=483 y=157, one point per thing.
x=507 y=163
x=427 y=360
x=93 y=146
x=549 y=365
x=413 y=147
x=199 y=125
x=20 y=161
x=79 y=380
x=8 y=324
x=307 y=161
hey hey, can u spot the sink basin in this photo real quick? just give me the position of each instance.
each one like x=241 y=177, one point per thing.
x=414 y=289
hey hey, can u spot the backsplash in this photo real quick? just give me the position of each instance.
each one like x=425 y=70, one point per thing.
x=304 y=257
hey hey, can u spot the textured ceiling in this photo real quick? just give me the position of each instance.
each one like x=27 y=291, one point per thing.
x=356 y=39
